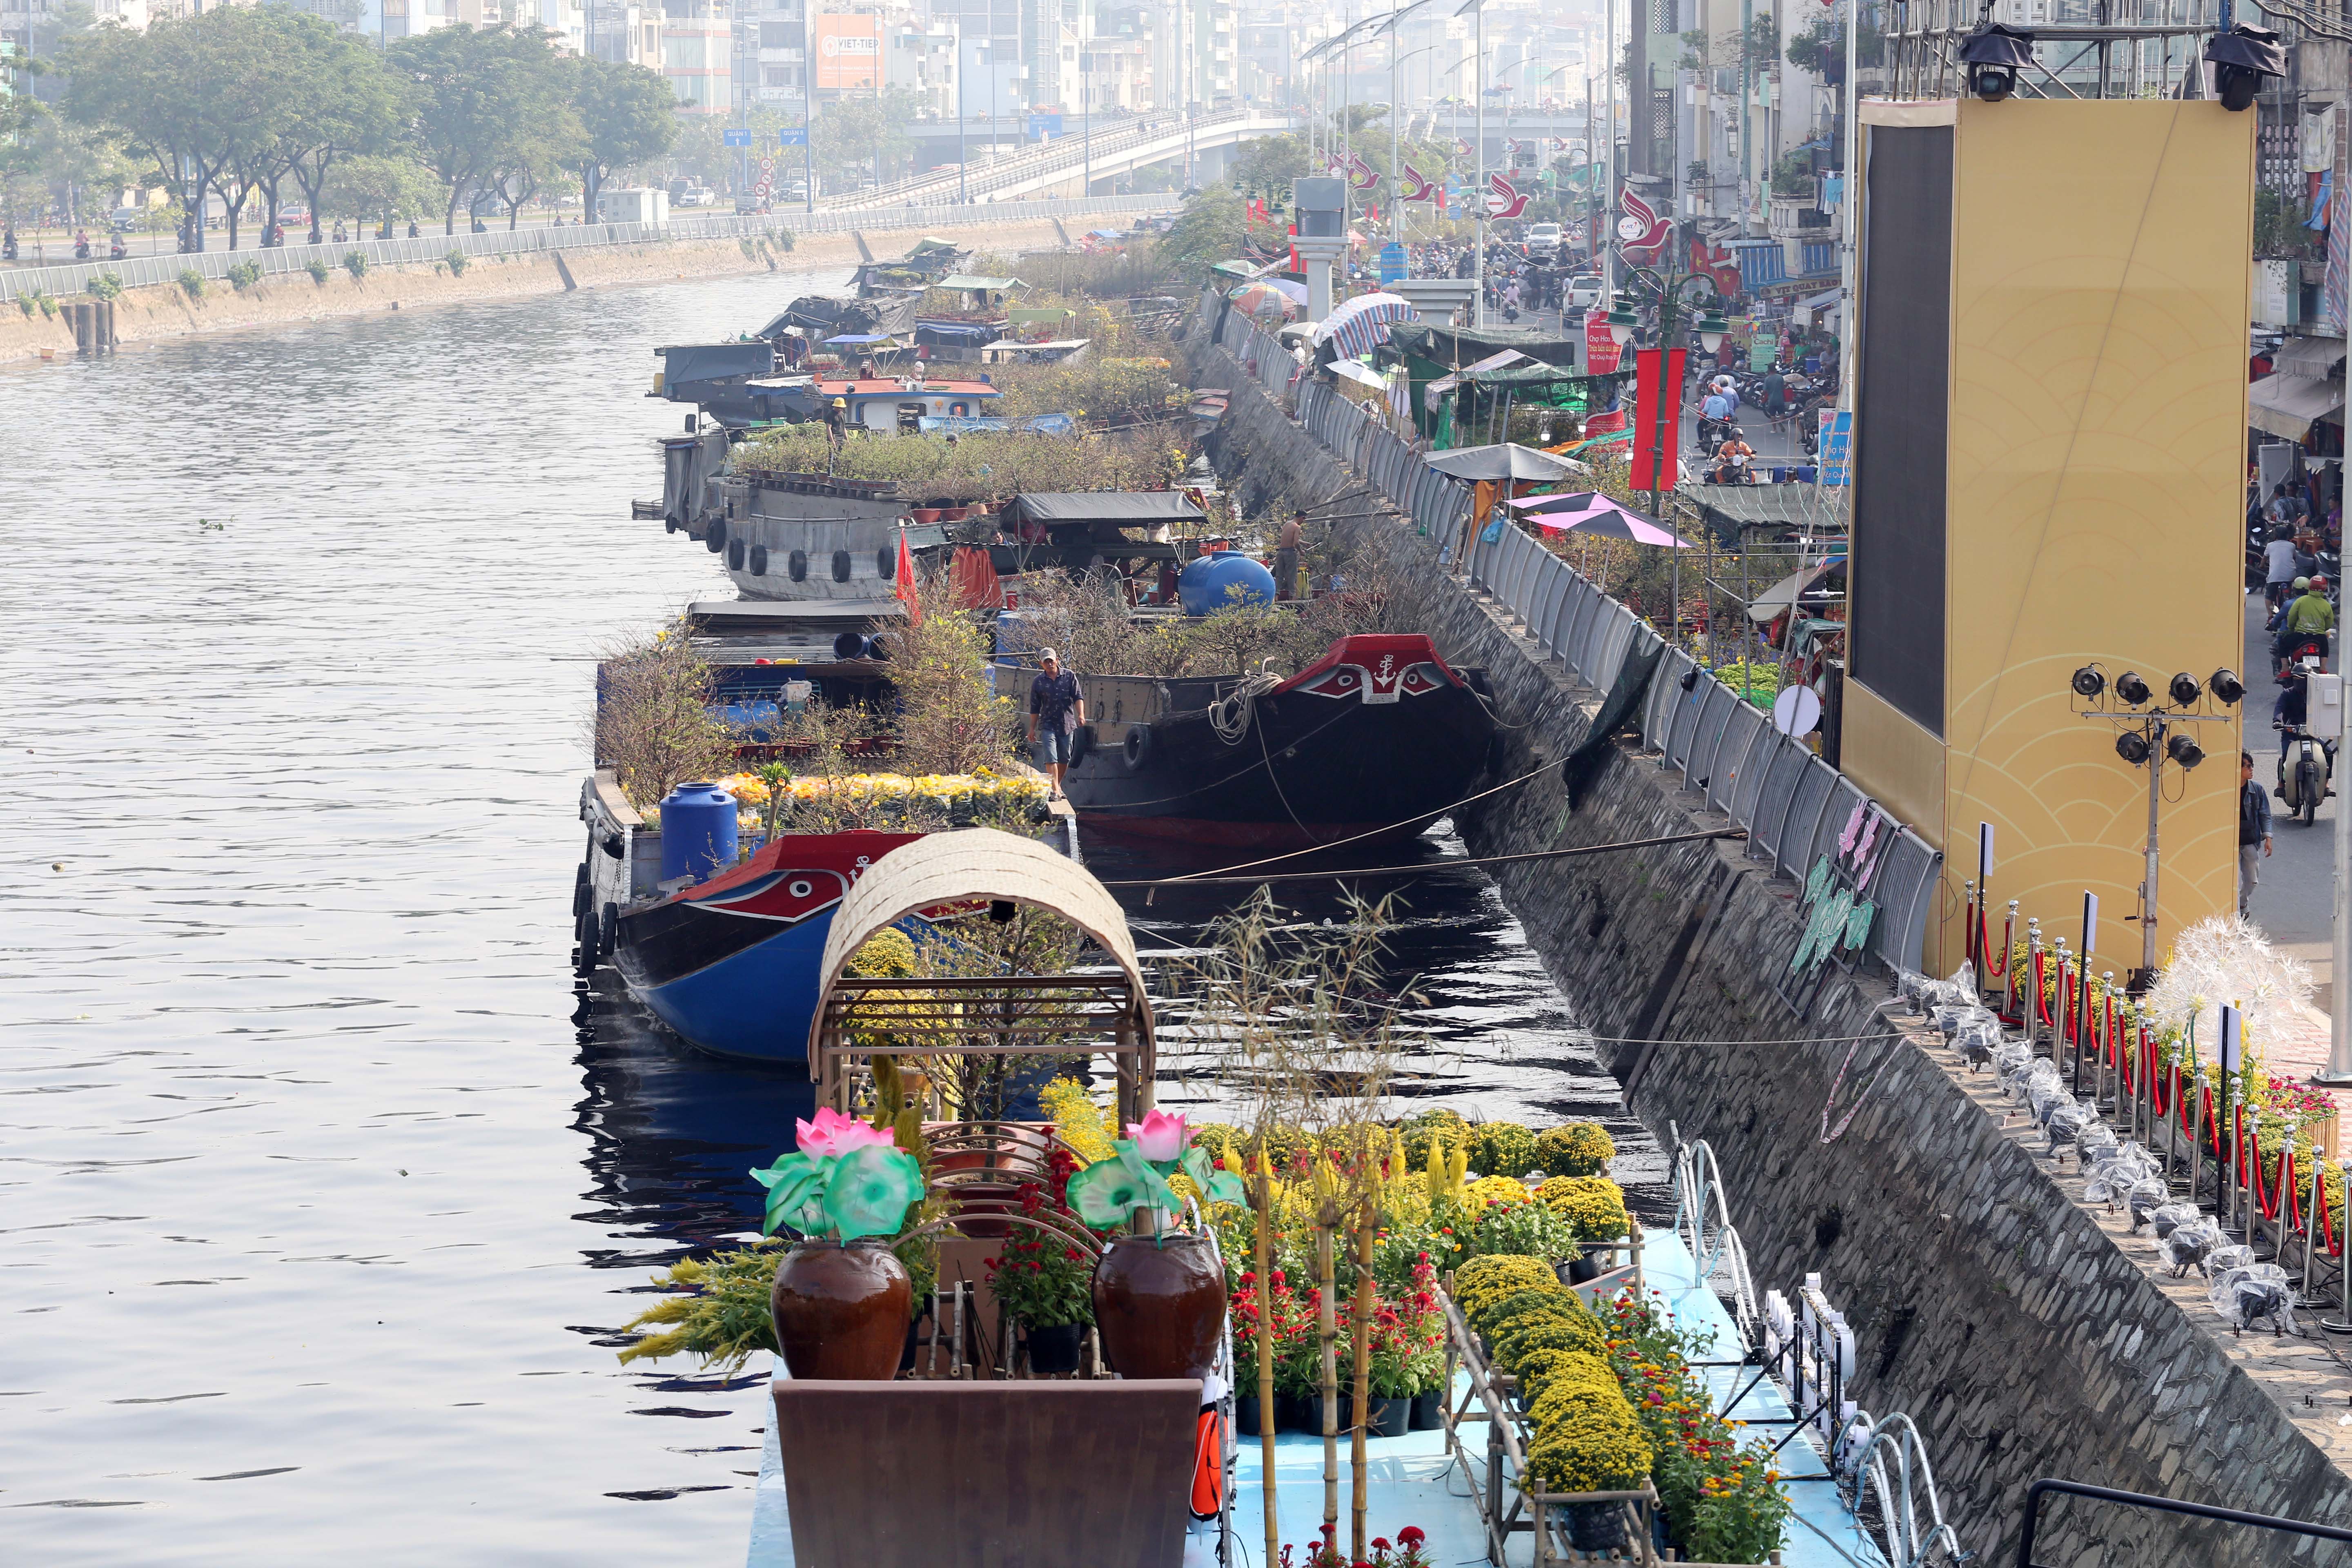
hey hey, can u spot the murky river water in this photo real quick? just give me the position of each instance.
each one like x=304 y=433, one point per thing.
x=323 y=1192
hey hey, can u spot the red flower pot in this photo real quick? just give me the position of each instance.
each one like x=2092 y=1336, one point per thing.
x=1159 y=1306
x=841 y=1311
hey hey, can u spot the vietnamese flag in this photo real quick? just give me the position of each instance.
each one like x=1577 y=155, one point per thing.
x=906 y=589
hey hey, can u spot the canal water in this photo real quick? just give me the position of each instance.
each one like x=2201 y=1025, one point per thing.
x=324 y=1190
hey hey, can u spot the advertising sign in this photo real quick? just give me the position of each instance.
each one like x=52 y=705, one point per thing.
x=848 y=54
x=1392 y=263
x=1836 y=442
x=1600 y=350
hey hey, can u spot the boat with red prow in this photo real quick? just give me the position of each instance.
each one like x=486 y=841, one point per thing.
x=1378 y=738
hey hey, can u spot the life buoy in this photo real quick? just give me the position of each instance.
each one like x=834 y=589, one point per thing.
x=1137 y=751
x=1209 y=1464
x=715 y=538
x=735 y=555
x=759 y=561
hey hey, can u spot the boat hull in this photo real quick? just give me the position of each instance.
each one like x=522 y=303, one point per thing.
x=732 y=965
x=1346 y=750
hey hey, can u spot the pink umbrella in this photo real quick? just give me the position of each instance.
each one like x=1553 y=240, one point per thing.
x=1600 y=518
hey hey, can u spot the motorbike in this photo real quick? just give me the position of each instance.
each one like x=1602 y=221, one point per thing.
x=2306 y=771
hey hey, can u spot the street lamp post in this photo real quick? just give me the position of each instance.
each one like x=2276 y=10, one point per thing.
x=1669 y=283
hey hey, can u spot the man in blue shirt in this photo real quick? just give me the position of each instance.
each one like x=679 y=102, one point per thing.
x=1056 y=709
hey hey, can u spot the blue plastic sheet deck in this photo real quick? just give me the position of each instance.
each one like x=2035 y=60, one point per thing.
x=1409 y=1482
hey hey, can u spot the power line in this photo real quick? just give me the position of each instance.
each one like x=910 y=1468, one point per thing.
x=1204 y=879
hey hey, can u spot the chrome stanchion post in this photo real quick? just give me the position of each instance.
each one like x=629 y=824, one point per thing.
x=2008 y=965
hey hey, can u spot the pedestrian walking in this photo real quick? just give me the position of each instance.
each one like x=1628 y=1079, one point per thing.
x=1057 y=708
x=1285 y=557
x=2253 y=831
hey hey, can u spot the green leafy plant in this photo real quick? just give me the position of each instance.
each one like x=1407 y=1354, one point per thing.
x=105 y=286
x=1532 y=1229
x=456 y=260
x=191 y=282
x=1041 y=1279
x=1574 y=1149
x=318 y=269
x=356 y=264
x=49 y=306
x=726 y=1319
x=25 y=303
x=244 y=274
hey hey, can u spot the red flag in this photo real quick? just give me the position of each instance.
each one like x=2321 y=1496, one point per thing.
x=1649 y=440
x=906 y=591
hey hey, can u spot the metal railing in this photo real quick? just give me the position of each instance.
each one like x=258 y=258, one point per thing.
x=213 y=266
x=1794 y=805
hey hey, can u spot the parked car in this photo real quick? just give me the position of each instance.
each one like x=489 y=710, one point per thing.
x=1584 y=292
x=127 y=220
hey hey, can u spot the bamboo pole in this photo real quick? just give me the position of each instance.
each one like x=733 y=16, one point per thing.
x=1368 y=1219
x=1264 y=1256
x=1327 y=1333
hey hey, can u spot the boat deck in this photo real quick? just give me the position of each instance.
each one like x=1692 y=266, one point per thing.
x=1409 y=1482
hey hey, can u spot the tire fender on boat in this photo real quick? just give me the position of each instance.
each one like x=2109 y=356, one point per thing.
x=759 y=561
x=1082 y=744
x=608 y=931
x=735 y=555
x=715 y=538
x=1136 y=751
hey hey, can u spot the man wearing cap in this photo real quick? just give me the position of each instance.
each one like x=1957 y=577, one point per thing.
x=1056 y=709
x=2309 y=615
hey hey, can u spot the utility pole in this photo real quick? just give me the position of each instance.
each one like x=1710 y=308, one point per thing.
x=1478 y=191
x=808 y=107
x=1747 y=91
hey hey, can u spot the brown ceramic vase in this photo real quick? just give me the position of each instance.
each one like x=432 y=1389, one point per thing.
x=841 y=1311
x=1160 y=1307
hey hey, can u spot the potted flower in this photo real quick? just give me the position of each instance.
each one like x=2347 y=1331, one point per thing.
x=1042 y=1282
x=1160 y=1300
x=842 y=1299
x=1286 y=1330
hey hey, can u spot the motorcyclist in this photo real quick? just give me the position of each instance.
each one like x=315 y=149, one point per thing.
x=116 y=250
x=2290 y=707
x=2309 y=615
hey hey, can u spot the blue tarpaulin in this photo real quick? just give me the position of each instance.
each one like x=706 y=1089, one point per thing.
x=859 y=340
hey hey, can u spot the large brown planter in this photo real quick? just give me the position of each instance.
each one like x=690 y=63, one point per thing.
x=841 y=1311
x=1160 y=1307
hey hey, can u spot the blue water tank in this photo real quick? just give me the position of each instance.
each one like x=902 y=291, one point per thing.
x=1209 y=583
x=697 y=832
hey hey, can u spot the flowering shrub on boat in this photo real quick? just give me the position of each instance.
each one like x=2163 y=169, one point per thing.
x=1039 y=1278
x=1405 y=1351
x=1288 y=1326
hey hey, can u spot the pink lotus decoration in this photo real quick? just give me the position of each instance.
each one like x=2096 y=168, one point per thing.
x=1160 y=1137
x=831 y=1134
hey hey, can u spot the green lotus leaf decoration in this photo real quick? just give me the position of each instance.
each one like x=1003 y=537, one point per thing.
x=870 y=1190
x=1216 y=1186
x=1157 y=1192
x=796 y=1184
x=1105 y=1193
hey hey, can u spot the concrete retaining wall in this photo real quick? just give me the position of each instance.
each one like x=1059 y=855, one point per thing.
x=150 y=315
x=1988 y=1303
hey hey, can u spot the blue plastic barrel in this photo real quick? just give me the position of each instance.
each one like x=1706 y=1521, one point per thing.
x=1211 y=581
x=697 y=832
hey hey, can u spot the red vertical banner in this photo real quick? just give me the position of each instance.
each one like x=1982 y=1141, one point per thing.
x=1651 y=443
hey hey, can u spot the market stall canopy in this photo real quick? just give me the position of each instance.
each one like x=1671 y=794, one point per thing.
x=927 y=244
x=1237 y=269
x=1601 y=518
x=2315 y=357
x=1121 y=509
x=1507 y=460
x=1361 y=324
x=1452 y=345
x=965 y=281
x=1775 y=600
x=2285 y=405
x=1357 y=370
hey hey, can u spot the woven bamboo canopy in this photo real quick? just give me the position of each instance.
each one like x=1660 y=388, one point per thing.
x=1016 y=1015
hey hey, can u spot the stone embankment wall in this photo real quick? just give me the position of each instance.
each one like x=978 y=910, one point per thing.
x=144 y=316
x=1988 y=1303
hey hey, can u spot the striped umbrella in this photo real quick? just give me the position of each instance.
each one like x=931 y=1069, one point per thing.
x=1264 y=298
x=1591 y=513
x=1361 y=324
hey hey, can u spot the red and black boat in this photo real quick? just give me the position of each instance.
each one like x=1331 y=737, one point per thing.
x=1380 y=735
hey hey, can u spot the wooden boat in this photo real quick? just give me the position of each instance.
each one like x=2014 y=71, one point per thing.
x=1378 y=736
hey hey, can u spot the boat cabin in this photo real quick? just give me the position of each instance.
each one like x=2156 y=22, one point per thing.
x=892 y=404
